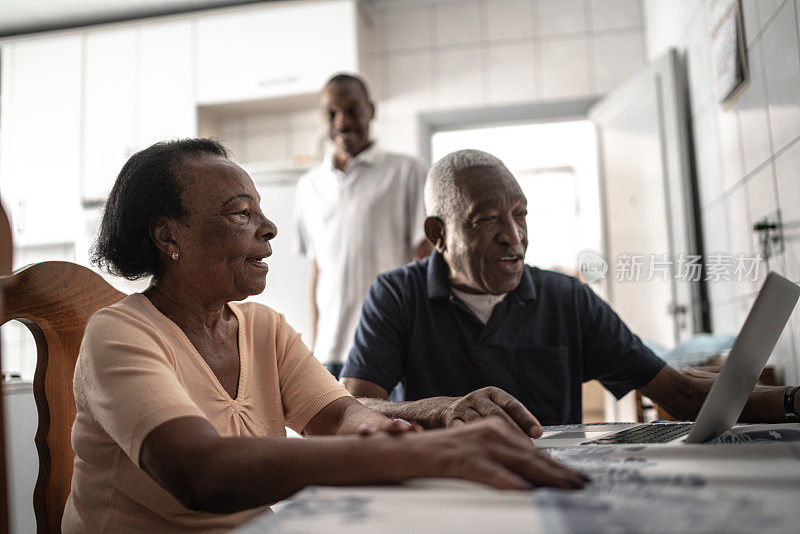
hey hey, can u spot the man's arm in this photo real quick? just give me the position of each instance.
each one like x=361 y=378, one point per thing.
x=436 y=412
x=314 y=311
x=683 y=395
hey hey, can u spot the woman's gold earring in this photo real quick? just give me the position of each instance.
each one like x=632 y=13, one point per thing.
x=174 y=256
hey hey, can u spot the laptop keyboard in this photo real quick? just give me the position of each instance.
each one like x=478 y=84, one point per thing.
x=652 y=433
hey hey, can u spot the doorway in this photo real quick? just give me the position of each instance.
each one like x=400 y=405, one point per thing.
x=555 y=163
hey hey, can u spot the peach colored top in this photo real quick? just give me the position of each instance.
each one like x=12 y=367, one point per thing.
x=136 y=370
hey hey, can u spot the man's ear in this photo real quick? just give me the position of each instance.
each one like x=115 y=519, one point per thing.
x=164 y=236
x=434 y=231
x=372 y=110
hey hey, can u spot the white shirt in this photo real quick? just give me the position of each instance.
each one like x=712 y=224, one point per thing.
x=481 y=305
x=356 y=224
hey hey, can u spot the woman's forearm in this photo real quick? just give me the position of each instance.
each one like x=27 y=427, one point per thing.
x=210 y=473
x=242 y=473
x=207 y=472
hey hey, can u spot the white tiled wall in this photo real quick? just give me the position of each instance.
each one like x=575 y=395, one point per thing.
x=445 y=54
x=748 y=154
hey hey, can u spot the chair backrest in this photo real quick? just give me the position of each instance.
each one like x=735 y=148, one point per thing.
x=6 y=254
x=54 y=300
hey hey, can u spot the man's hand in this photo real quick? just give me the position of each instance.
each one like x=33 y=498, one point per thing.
x=490 y=401
x=393 y=427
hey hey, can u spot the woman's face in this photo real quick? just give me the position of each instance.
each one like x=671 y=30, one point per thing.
x=225 y=238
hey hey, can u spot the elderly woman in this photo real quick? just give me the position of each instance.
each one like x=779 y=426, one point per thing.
x=183 y=395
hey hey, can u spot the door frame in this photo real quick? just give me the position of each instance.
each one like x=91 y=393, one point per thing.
x=431 y=122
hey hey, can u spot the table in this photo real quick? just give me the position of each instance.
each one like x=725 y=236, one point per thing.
x=719 y=487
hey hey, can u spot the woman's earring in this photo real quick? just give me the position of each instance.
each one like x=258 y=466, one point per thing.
x=174 y=256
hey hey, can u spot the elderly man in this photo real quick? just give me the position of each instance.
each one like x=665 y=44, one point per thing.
x=473 y=315
x=359 y=213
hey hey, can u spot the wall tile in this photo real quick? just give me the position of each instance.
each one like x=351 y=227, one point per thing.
x=305 y=117
x=565 y=68
x=615 y=14
x=782 y=67
x=717 y=241
x=784 y=355
x=752 y=108
x=561 y=16
x=266 y=123
x=794 y=321
x=786 y=170
x=616 y=57
x=664 y=24
x=235 y=146
x=403 y=28
x=698 y=61
x=459 y=78
x=762 y=202
x=399 y=134
x=736 y=206
x=728 y=318
x=306 y=141
x=510 y=73
x=766 y=10
x=373 y=71
x=707 y=155
x=265 y=147
x=231 y=126
x=752 y=26
x=457 y=22
x=509 y=19
x=730 y=146
x=409 y=84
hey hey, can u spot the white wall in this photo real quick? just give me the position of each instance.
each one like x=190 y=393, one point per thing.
x=433 y=55
x=748 y=155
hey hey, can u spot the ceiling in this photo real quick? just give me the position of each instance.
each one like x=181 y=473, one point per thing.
x=30 y=16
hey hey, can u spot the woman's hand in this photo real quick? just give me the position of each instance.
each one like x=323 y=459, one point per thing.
x=488 y=451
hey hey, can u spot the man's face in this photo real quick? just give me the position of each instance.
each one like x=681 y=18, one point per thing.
x=485 y=242
x=348 y=114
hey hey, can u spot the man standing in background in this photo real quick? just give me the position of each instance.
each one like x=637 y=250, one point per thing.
x=357 y=214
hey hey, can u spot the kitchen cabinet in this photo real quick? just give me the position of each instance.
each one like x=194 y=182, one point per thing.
x=166 y=108
x=40 y=138
x=138 y=90
x=109 y=118
x=280 y=49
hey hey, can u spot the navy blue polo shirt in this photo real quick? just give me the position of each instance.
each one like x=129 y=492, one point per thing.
x=542 y=341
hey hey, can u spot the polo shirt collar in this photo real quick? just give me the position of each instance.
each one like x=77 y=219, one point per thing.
x=368 y=156
x=438 y=281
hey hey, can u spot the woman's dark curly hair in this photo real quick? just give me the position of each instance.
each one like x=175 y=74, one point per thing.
x=147 y=189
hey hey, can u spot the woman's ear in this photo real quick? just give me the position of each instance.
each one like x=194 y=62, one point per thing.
x=434 y=231
x=164 y=236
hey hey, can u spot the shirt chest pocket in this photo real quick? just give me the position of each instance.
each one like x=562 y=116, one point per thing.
x=545 y=382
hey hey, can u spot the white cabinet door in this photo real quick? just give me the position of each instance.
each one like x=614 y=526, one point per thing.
x=138 y=91
x=109 y=121
x=166 y=96
x=281 y=49
x=40 y=138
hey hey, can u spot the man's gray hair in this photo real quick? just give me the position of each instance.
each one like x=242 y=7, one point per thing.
x=442 y=195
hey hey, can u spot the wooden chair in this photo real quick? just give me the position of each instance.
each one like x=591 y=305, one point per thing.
x=6 y=254
x=54 y=300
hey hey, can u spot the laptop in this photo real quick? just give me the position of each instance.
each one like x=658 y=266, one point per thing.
x=728 y=395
